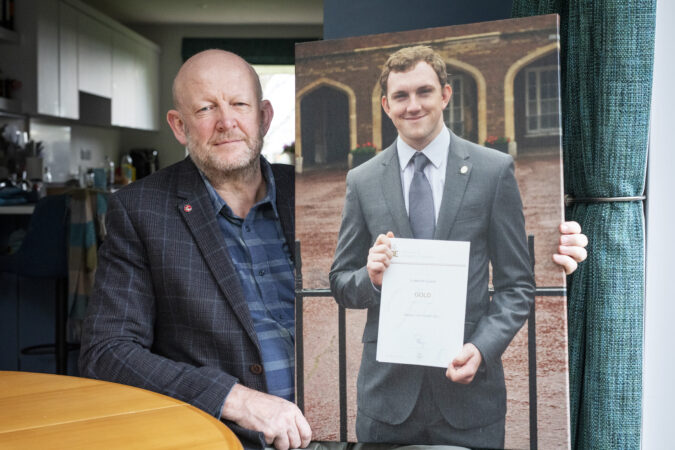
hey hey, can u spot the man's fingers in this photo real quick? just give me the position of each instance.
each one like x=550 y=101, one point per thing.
x=464 y=367
x=294 y=437
x=576 y=253
x=460 y=375
x=383 y=239
x=451 y=373
x=281 y=442
x=304 y=430
x=375 y=267
x=571 y=250
x=567 y=263
x=297 y=433
x=269 y=438
x=383 y=256
x=380 y=253
x=577 y=240
x=454 y=371
x=379 y=263
x=280 y=421
x=465 y=377
x=570 y=227
x=461 y=359
x=379 y=258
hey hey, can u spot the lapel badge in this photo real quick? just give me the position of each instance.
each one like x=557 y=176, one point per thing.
x=187 y=208
x=463 y=170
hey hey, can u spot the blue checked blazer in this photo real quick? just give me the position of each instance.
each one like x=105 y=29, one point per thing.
x=167 y=312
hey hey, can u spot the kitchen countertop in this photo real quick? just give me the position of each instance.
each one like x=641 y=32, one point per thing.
x=26 y=209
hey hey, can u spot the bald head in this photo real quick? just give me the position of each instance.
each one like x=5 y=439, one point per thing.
x=219 y=114
x=208 y=60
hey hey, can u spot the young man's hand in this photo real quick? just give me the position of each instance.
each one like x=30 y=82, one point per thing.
x=379 y=258
x=571 y=248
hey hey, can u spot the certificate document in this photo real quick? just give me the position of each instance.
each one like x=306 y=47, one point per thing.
x=423 y=302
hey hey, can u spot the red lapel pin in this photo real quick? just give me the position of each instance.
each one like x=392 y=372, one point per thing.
x=187 y=208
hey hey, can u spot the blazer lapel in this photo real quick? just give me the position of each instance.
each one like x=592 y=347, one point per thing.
x=194 y=205
x=393 y=193
x=457 y=174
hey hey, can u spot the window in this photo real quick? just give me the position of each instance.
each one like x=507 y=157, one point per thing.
x=278 y=84
x=542 y=101
x=453 y=115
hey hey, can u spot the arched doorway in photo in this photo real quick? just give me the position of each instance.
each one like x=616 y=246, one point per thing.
x=325 y=127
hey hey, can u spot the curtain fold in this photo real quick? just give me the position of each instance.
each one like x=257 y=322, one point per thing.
x=607 y=51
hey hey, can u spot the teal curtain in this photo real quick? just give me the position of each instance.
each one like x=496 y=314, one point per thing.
x=606 y=63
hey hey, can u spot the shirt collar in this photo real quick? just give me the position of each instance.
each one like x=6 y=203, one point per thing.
x=268 y=177
x=436 y=151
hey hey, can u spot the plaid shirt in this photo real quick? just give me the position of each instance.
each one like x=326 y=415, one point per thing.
x=261 y=255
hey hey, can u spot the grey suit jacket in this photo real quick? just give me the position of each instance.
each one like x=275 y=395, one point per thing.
x=482 y=206
x=167 y=312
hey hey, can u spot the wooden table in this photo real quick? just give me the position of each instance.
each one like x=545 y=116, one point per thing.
x=43 y=411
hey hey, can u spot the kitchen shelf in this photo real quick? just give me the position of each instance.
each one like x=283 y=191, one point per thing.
x=7 y=35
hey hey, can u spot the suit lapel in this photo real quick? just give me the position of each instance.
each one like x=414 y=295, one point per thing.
x=194 y=205
x=393 y=193
x=457 y=173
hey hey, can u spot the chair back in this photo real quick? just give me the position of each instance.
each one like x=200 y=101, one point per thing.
x=43 y=252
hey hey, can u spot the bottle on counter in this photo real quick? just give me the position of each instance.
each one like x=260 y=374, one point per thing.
x=81 y=177
x=24 y=183
x=127 y=168
x=109 y=172
x=47 y=175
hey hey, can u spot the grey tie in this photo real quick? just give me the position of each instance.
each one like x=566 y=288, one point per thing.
x=421 y=201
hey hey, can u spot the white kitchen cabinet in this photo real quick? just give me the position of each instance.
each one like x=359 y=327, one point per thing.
x=56 y=46
x=94 y=56
x=65 y=47
x=69 y=104
x=135 y=102
x=149 y=58
x=124 y=81
x=47 y=46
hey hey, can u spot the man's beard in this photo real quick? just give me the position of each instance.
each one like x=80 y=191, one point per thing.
x=216 y=165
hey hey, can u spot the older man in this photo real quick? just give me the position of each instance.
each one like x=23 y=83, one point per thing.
x=432 y=184
x=194 y=292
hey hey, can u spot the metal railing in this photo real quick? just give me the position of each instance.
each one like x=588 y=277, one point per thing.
x=301 y=294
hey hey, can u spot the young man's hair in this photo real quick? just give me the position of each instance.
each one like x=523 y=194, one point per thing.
x=407 y=58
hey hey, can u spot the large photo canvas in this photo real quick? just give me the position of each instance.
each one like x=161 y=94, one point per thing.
x=504 y=78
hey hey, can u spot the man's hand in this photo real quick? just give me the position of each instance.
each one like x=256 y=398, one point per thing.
x=463 y=368
x=571 y=250
x=279 y=420
x=379 y=258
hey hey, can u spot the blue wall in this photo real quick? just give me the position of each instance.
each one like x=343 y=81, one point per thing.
x=345 y=18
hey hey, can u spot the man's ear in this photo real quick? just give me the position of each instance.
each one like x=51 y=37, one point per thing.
x=447 y=95
x=177 y=125
x=385 y=105
x=267 y=113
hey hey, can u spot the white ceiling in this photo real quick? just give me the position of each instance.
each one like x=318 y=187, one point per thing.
x=212 y=12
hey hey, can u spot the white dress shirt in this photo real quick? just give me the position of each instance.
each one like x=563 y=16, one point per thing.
x=437 y=152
